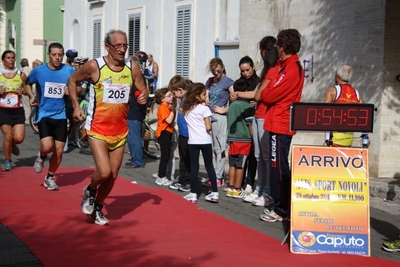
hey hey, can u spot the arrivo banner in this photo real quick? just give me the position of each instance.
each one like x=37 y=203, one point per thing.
x=330 y=201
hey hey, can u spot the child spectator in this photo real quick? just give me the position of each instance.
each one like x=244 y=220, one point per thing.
x=178 y=85
x=198 y=118
x=165 y=129
x=239 y=138
x=171 y=162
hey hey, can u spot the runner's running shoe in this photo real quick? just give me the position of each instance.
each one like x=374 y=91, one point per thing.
x=15 y=150
x=7 y=165
x=39 y=164
x=87 y=204
x=98 y=216
x=50 y=184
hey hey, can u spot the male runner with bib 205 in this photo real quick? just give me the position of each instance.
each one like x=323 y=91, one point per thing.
x=114 y=80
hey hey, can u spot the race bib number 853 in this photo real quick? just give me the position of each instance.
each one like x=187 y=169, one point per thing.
x=54 y=90
x=116 y=93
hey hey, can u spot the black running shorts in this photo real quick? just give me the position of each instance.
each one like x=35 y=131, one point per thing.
x=55 y=128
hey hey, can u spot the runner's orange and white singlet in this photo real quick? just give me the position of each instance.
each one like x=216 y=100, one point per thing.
x=108 y=100
x=10 y=98
x=345 y=93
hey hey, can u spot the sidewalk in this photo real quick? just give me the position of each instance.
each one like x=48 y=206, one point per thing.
x=385 y=195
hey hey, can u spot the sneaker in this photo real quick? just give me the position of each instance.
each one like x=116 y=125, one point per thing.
x=213 y=197
x=202 y=179
x=251 y=197
x=238 y=193
x=259 y=202
x=229 y=192
x=192 y=197
x=39 y=164
x=271 y=217
x=267 y=211
x=87 y=204
x=15 y=150
x=98 y=216
x=163 y=181
x=175 y=186
x=226 y=189
x=184 y=188
x=7 y=165
x=392 y=246
x=155 y=175
x=220 y=182
x=50 y=184
x=249 y=189
x=268 y=200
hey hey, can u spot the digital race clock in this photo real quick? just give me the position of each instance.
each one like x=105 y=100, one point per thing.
x=332 y=117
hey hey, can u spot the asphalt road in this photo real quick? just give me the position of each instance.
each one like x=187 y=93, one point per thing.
x=383 y=225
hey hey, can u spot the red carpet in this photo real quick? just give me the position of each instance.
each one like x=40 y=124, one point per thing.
x=148 y=227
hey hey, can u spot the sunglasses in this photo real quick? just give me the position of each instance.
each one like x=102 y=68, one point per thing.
x=216 y=71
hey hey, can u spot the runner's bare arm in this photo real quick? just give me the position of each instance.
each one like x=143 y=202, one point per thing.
x=29 y=92
x=330 y=95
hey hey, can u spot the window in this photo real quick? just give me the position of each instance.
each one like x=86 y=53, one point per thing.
x=134 y=34
x=97 y=38
x=183 y=41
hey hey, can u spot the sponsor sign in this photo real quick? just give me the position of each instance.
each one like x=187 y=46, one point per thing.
x=330 y=201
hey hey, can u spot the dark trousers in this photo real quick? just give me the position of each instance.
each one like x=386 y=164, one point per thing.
x=280 y=177
x=207 y=152
x=251 y=168
x=184 y=160
x=165 y=146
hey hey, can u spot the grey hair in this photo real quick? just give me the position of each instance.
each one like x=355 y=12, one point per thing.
x=135 y=59
x=344 y=72
x=109 y=35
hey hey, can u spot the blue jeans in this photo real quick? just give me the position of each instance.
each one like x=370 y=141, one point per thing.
x=135 y=143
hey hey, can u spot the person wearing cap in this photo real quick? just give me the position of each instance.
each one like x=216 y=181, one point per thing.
x=83 y=91
x=25 y=99
x=71 y=54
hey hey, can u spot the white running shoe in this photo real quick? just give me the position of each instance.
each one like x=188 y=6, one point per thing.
x=213 y=197
x=251 y=197
x=163 y=181
x=259 y=202
x=39 y=164
x=87 y=203
x=249 y=189
x=50 y=184
x=191 y=197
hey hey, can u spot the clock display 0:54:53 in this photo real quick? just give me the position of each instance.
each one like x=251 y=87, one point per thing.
x=332 y=117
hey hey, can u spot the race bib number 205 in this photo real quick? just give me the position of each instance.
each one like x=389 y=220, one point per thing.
x=54 y=90
x=116 y=93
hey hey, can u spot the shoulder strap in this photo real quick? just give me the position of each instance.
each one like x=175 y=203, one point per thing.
x=101 y=62
x=357 y=94
x=338 y=91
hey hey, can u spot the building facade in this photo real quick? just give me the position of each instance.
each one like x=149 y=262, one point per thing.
x=183 y=35
x=30 y=25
